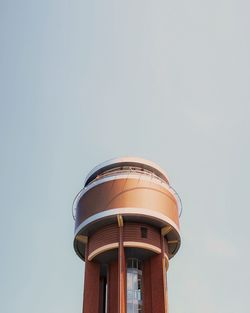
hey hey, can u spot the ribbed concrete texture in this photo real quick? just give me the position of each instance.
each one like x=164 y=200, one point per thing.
x=126 y=231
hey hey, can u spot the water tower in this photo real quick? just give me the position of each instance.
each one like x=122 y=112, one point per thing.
x=126 y=231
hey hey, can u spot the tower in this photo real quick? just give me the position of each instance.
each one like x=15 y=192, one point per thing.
x=126 y=231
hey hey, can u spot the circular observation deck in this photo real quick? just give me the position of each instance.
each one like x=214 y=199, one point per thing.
x=136 y=189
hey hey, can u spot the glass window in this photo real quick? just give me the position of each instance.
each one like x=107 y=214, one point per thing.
x=134 y=286
x=144 y=232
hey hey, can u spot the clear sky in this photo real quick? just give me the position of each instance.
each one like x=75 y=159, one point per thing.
x=85 y=81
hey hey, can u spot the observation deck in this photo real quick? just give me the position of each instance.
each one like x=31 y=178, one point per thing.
x=134 y=189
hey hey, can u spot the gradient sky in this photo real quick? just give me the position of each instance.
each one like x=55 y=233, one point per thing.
x=86 y=81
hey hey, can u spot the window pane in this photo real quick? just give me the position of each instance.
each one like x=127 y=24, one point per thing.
x=134 y=286
x=144 y=232
x=130 y=263
x=129 y=281
x=130 y=308
x=130 y=296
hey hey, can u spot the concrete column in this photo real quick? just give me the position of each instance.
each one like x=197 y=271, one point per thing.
x=91 y=283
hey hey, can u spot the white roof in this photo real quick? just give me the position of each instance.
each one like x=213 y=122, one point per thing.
x=127 y=161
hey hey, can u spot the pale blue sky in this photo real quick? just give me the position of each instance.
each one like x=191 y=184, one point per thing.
x=85 y=81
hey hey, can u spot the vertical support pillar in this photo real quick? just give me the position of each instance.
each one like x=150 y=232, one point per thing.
x=146 y=288
x=121 y=270
x=157 y=284
x=113 y=287
x=164 y=273
x=91 y=283
x=159 y=299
